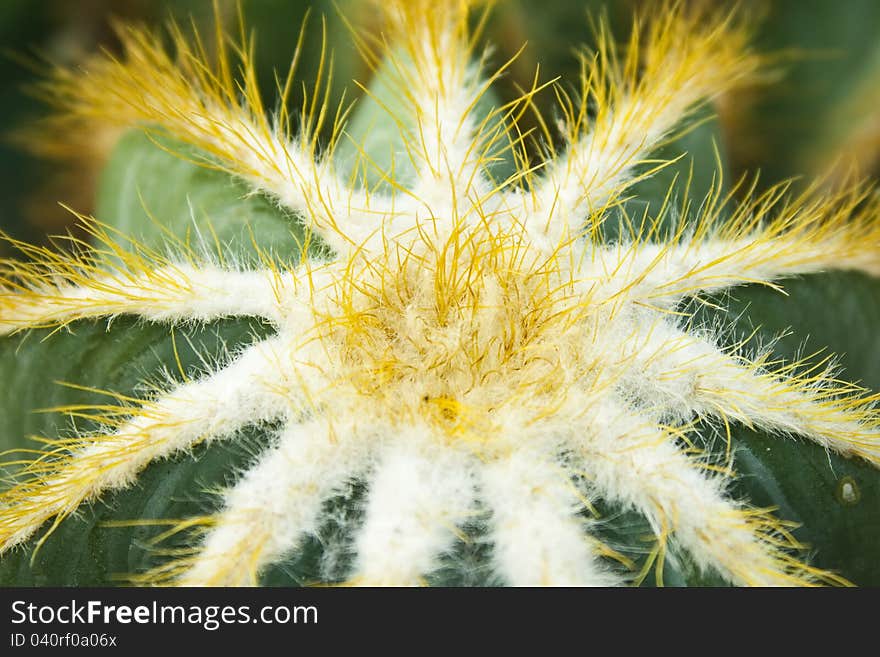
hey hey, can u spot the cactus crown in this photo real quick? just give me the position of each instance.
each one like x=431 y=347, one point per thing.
x=470 y=344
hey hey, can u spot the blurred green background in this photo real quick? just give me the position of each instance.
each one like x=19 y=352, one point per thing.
x=820 y=114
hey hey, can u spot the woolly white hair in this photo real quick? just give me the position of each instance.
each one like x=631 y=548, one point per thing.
x=471 y=344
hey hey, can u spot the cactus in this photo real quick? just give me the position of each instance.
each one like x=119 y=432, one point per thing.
x=437 y=349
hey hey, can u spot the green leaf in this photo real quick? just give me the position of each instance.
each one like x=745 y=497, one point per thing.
x=149 y=193
x=834 y=50
x=838 y=312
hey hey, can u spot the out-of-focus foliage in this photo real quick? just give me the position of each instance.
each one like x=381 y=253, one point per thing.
x=820 y=114
x=823 y=107
x=37 y=34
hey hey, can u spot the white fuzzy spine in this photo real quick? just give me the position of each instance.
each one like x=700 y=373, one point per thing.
x=244 y=392
x=634 y=463
x=538 y=536
x=688 y=374
x=598 y=166
x=344 y=217
x=176 y=293
x=446 y=140
x=439 y=86
x=418 y=497
x=275 y=505
x=663 y=274
x=282 y=168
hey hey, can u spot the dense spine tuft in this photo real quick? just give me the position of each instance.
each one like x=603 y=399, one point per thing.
x=473 y=349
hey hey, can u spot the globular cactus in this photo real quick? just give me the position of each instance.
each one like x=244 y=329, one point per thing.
x=438 y=349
